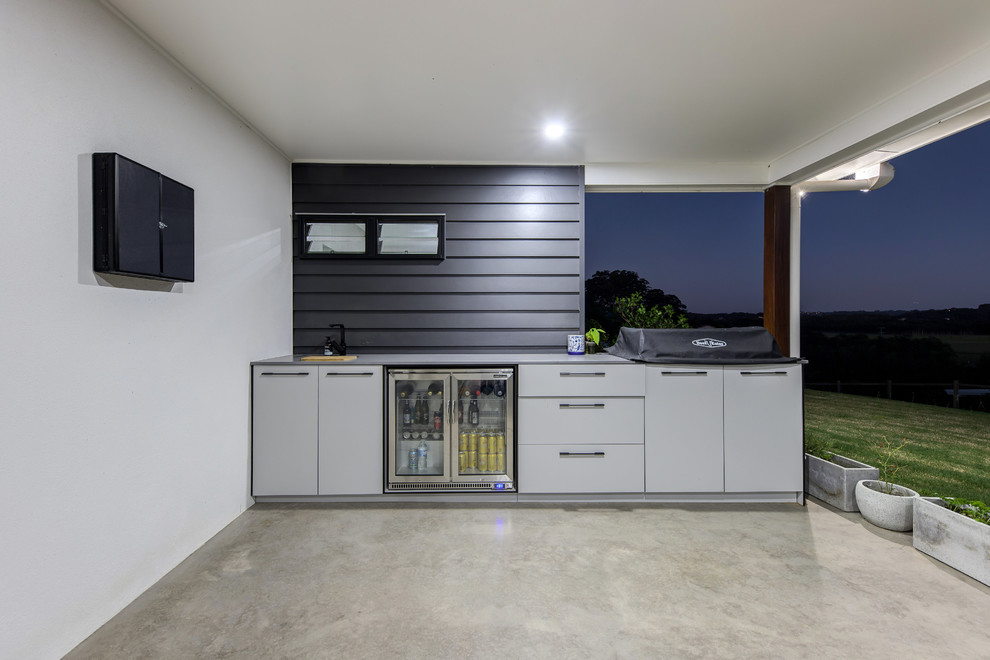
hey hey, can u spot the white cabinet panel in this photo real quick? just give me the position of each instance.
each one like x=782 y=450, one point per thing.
x=581 y=468
x=544 y=421
x=763 y=428
x=350 y=434
x=284 y=428
x=684 y=429
x=581 y=380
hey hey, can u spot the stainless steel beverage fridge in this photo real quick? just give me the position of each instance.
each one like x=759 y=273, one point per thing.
x=451 y=430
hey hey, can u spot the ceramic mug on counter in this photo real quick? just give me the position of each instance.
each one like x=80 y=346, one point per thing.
x=575 y=344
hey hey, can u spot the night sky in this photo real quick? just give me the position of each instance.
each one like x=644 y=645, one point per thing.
x=921 y=242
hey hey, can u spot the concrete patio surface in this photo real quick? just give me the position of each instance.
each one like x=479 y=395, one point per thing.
x=552 y=581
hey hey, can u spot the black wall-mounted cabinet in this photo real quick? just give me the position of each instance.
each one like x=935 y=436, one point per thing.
x=143 y=221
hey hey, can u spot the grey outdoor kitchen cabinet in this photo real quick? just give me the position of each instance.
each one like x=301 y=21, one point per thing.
x=593 y=427
x=316 y=430
x=350 y=436
x=581 y=429
x=724 y=428
x=684 y=429
x=284 y=430
x=764 y=439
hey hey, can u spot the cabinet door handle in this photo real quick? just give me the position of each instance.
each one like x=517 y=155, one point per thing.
x=582 y=405
x=683 y=373
x=284 y=373
x=588 y=454
x=586 y=374
x=763 y=373
x=350 y=373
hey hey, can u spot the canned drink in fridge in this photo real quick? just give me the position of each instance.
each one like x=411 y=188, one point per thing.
x=482 y=462
x=499 y=444
x=462 y=461
x=472 y=460
x=483 y=443
x=413 y=460
x=462 y=441
x=500 y=463
x=473 y=441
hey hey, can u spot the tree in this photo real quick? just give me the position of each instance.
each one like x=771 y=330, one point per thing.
x=602 y=288
x=660 y=299
x=605 y=287
x=635 y=314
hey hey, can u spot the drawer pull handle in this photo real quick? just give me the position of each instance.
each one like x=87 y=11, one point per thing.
x=586 y=374
x=763 y=373
x=589 y=454
x=683 y=373
x=284 y=373
x=583 y=405
x=350 y=373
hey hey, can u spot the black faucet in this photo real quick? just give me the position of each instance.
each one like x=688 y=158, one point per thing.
x=332 y=347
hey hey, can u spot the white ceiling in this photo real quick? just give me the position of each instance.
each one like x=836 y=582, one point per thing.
x=664 y=93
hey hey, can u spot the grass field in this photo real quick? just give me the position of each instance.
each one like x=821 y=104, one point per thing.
x=947 y=451
x=967 y=345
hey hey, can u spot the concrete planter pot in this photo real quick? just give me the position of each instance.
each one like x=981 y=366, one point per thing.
x=834 y=481
x=952 y=538
x=888 y=510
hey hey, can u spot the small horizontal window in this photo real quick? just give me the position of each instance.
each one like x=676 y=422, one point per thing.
x=353 y=236
x=336 y=238
x=412 y=237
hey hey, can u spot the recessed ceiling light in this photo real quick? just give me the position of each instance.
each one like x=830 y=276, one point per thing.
x=554 y=131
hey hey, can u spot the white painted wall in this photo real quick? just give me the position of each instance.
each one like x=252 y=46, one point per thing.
x=124 y=431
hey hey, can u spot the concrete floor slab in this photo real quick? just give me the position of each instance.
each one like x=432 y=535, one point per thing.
x=552 y=581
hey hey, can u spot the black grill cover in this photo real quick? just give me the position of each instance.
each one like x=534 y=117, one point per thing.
x=703 y=346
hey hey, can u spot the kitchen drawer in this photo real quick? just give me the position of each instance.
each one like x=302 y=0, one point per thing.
x=581 y=468
x=582 y=380
x=603 y=420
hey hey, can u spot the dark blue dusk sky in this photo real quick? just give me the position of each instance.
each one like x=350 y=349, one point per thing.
x=921 y=242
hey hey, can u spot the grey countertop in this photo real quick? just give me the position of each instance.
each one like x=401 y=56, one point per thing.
x=430 y=359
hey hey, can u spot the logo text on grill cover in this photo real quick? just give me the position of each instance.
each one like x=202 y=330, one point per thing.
x=708 y=342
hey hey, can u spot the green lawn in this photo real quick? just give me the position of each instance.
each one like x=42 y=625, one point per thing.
x=971 y=346
x=947 y=451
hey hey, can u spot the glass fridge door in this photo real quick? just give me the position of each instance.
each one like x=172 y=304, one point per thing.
x=484 y=444
x=418 y=405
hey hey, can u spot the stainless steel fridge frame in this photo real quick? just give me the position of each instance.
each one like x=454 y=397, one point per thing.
x=450 y=478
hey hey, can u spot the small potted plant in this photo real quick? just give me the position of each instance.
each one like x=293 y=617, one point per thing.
x=955 y=532
x=593 y=340
x=832 y=478
x=882 y=502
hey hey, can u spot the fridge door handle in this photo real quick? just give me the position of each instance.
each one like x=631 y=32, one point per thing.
x=583 y=405
x=591 y=454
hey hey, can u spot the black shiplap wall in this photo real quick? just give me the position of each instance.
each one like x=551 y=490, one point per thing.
x=512 y=279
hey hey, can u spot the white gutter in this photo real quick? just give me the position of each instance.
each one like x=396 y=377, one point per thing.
x=884 y=173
